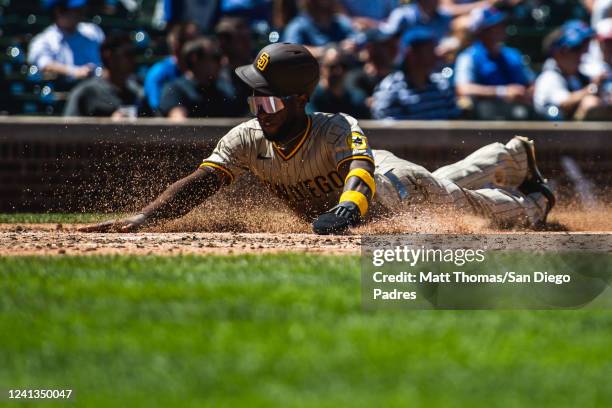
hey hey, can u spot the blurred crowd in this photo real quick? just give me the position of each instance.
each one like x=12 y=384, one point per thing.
x=380 y=59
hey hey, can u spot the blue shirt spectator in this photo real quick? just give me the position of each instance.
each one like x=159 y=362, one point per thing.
x=305 y=30
x=477 y=65
x=169 y=68
x=492 y=75
x=75 y=49
x=417 y=91
x=318 y=25
x=423 y=13
x=253 y=10
x=67 y=47
x=158 y=75
x=374 y=9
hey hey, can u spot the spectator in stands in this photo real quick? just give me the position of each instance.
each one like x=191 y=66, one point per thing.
x=603 y=64
x=318 y=26
x=170 y=67
x=460 y=26
x=115 y=92
x=377 y=54
x=366 y=15
x=204 y=13
x=417 y=90
x=331 y=95
x=561 y=91
x=601 y=10
x=464 y=7
x=283 y=11
x=252 y=10
x=69 y=46
x=200 y=92
x=493 y=75
x=604 y=76
x=236 y=42
x=420 y=13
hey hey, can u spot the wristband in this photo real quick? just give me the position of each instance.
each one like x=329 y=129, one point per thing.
x=364 y=176
x=358 y=198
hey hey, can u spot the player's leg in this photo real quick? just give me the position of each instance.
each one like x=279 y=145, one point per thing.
x=507 y=208
x=497 y=164
x=503 y=207
x=406 y=184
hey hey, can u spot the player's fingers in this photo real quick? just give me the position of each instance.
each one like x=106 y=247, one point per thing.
x=128 y=228
x=100 y=227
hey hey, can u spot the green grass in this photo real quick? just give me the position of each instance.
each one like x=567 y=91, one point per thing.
x=280 y=330
x=40 y=218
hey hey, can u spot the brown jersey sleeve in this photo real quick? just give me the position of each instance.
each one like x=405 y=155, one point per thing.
x=352 y=143
x=231 y=153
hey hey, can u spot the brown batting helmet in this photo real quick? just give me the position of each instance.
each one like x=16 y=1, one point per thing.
x=282 y=69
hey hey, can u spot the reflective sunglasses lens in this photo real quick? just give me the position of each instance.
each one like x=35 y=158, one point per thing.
x=269 y=104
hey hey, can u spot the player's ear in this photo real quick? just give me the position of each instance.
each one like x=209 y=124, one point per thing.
x=302 y=100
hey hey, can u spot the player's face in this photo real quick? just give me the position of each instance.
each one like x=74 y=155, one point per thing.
x=272 y=123
x=278 y=127
x=276 y=123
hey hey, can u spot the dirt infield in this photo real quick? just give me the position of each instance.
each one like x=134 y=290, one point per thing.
x=264 y=233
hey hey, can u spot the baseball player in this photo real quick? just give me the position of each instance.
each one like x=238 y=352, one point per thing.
x=324 y=169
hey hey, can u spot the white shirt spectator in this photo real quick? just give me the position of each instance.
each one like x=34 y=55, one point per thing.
x=593 y=64
x=74 y=50
x=601 y=11
x=593 y=60
x=552 y=89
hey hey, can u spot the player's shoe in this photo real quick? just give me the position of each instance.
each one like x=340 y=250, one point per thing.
x=534 y=181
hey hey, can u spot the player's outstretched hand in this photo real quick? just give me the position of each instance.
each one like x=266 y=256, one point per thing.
x=128 y=224
x=337 y=220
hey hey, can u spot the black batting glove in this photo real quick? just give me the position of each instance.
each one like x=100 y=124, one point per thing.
x=338 y=219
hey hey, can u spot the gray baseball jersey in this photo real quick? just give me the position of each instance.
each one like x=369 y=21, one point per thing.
x=307 y=178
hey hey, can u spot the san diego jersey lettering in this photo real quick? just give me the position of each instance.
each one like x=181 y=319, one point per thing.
x=307 y=178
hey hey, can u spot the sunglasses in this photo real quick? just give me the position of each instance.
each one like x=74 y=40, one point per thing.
x=267 y=104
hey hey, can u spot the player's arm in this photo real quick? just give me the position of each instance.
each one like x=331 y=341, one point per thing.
x=355 y=200
x=176 y=201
